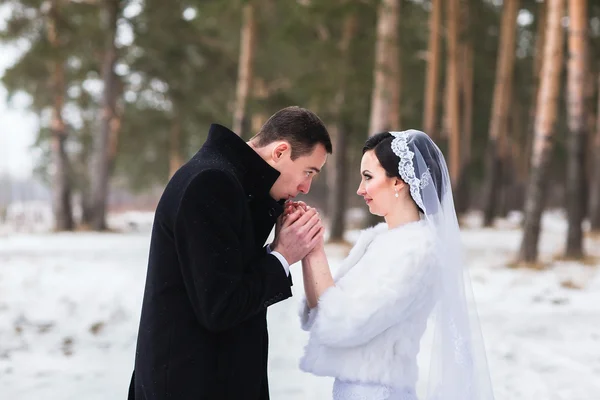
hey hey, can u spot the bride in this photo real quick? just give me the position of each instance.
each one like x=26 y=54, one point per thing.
x=402 y=277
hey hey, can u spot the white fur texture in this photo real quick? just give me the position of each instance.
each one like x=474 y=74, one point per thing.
x=367 y=327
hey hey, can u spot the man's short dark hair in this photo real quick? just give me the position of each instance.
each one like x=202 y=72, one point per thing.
x=301 y=128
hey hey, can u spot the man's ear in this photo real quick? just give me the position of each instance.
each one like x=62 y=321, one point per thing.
x=279 y=150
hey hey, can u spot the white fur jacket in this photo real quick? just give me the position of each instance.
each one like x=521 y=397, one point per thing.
x=367 y=327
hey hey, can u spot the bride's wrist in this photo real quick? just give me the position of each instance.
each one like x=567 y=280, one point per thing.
x=314 y=255
x=316 y=251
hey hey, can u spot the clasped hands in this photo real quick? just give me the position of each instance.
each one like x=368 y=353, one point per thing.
x=298 y=232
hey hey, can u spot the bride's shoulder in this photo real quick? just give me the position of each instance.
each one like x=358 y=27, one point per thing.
x=414 y=237
x=367 y=235
x=380 y=244
x=360 y=247
x=374 y=230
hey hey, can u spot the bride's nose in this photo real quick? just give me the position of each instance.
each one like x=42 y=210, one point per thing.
x=361 y=190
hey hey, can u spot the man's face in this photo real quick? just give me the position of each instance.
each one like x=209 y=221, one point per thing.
x=297 y=175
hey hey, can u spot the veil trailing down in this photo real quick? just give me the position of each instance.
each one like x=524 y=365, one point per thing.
x=457 y=367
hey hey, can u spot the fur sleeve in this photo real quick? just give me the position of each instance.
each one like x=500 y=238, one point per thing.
x=307 y=315
x=377 y=293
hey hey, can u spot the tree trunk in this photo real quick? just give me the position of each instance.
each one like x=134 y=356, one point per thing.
x=386 y=60
x=516 y=179
x=467 y=99
x=247 y=45
x=452 y=98
x=395 y=114
x=433 y=70
x=175 y=156
x=337 y=175
x=260 y=93
x=396 y=78
x=61 y=183
x=337 y=183
x=594 y=206
x=445 y=126
x=578 y=130
x=500 y=110
x=591 y=117
x=544 y=128
x=537 y=67
x=462 y=197
x=101 y=165
x=113 y=140
x=87 y=212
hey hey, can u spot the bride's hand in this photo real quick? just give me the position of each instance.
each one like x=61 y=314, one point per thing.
x=320 y=246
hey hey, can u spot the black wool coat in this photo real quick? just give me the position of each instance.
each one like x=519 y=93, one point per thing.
x=203 y=329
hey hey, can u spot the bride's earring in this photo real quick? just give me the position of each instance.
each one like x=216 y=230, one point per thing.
x=396 y=190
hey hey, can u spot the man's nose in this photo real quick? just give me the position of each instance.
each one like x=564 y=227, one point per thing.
x=304 y=187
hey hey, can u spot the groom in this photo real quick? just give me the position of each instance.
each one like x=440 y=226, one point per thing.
x=203 y=328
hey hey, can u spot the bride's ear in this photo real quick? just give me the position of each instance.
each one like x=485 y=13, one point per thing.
x=399 y=184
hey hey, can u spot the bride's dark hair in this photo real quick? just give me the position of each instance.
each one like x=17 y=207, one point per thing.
x=381 y=144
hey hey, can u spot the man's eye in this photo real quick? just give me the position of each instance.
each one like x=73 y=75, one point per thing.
x=308 y=173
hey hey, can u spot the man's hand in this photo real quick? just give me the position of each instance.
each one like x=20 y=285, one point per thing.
x=320 y=246
x=300 y=232
x=303 y=207
x=289 y=207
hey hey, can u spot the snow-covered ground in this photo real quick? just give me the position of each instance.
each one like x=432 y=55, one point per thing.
x=70 y=304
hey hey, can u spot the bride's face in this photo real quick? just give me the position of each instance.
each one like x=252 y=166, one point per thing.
x=375 y=186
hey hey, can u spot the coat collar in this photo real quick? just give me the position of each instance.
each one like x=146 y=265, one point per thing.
x=257 y=177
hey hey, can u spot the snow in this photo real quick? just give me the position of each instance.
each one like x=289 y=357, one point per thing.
x=70 y=305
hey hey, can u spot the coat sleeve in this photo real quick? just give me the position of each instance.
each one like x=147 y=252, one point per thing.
x=223 y=289
x=372 y=297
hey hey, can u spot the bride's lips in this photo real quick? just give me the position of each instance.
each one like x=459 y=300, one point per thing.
x=368 y=200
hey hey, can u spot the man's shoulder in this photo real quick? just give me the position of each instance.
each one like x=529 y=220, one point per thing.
x=215 y=179
x=199 y=179
x=206 y=189
x=206 y=167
